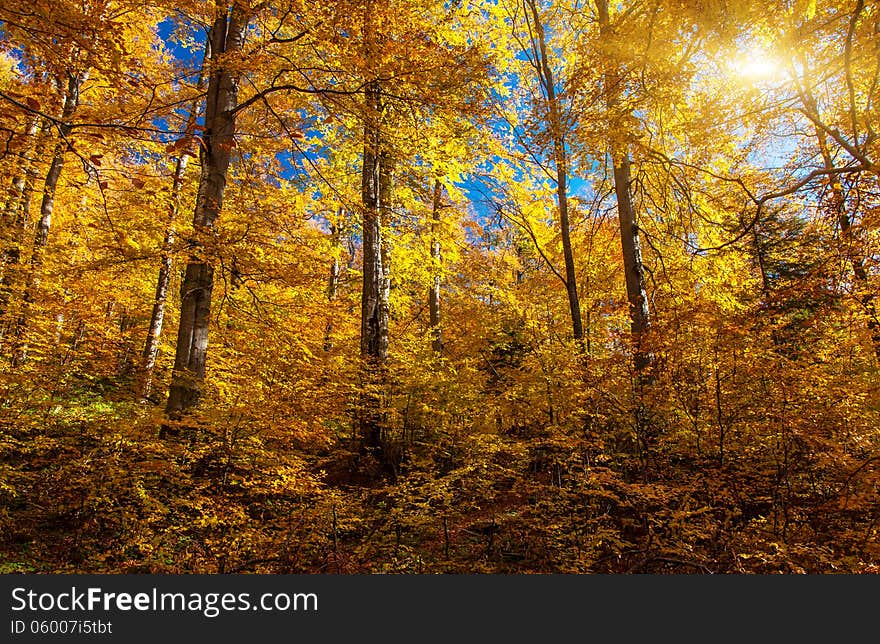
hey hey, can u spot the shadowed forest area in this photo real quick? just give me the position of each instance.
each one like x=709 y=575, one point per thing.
x=439 y=286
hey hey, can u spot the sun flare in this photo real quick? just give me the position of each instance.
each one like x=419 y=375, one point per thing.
x=756 y=66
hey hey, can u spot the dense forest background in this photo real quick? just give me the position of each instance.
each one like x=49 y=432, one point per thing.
x=430 y=286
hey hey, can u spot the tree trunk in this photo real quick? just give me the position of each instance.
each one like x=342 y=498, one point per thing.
x=636 y=293
x=436 y=258
x=47 y=205
x=160 y=300
x=640 y=320
x=374 y=303
x=375 y=178
x=226 y=36
x=11 y=211
x=157 y=316
x=333 y=279
x=560 y=156
x=16 y=216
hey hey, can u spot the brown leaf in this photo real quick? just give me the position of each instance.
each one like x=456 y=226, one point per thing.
x=174 y=146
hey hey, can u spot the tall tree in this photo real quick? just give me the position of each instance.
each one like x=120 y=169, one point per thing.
x=375 y=182
x=163 y=280
x=557 y=131
x=375 y=311
x=16 y=215
x=226 y=38
x=71 y=93
x=334 y=274
x=436 y=258
x=636 y=292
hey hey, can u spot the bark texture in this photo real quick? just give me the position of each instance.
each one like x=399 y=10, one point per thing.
x=375 y=313
x=436 y=259
x=16 y=214
x=636 y=293
x=374 y=185
x=163 y=281
x=226 y=38
x=47 y=206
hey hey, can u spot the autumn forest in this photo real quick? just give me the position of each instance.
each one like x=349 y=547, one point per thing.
x=440 y=286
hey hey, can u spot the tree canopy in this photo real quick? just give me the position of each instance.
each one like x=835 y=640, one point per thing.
x=418 y=286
